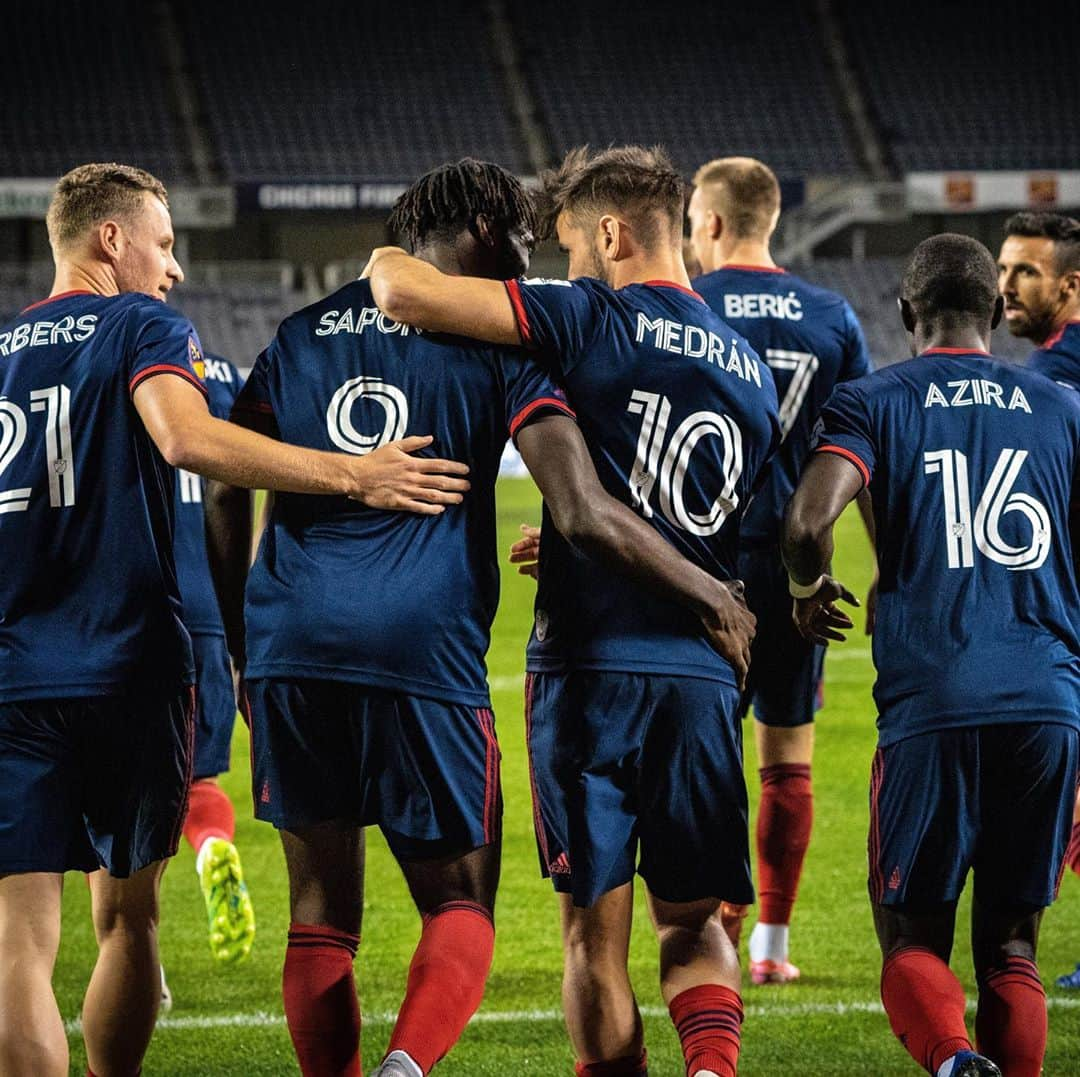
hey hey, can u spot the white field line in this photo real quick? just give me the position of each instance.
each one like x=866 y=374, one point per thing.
x=755 y=1011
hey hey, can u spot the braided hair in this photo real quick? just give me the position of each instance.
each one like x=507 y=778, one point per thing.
x=449 y=198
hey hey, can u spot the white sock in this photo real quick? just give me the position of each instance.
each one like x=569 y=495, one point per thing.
x=769 y=942
x=946 y=1067
x=405 y=1060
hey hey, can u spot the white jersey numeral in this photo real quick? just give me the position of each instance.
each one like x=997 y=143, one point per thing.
x=802 y=366
x=56 y=403
x=967 y=531
x=652 y=464
x=339 y=422
x=190 y=487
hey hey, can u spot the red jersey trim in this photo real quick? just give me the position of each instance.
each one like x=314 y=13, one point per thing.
x=848 y=455
x=753 y=269
x=533 y=405
x=166 y=368
x=513 y=290
x=1053 y=338
x=673 y=284
x=54 y=298
x=954 y=351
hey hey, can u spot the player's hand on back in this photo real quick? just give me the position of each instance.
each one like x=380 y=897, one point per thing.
x=818 y=618
x=376 y=254
x=525 y=553
x=392 y=478
x=731 y=628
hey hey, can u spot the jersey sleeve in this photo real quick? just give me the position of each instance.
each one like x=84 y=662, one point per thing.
x=1054 y=364
x=844 y=428
x=530 y=393
x=165 y=342
x=254 y=397
x=857 y=361
x=557 y=319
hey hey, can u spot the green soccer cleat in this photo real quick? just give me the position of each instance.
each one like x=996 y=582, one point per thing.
x=228 y=905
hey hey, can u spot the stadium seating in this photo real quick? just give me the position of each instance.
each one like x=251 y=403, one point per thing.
x=991 y=86
x=78 y=85
x=746 y=79
x=335 y=90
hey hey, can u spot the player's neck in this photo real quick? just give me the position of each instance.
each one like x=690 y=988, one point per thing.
x=1070 y=312
x=448 y=259
x=73 y=276
x=958 y=338
x=646 y=266
x=745 y=252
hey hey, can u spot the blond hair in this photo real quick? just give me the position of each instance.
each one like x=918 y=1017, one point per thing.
x=93 y=193
x=743 y=192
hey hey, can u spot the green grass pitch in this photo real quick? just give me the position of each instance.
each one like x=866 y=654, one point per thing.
x=229 y=1021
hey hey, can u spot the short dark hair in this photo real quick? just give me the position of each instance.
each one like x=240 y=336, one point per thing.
x=91 y=194
x=952 y=277
x=744 y=192
x=449 y=198
x=1064 y=231
x=638 y=181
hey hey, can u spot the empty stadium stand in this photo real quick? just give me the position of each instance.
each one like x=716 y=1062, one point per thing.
x=703 y=78
x=84 y=83
x=986 y=86
x=345 y=90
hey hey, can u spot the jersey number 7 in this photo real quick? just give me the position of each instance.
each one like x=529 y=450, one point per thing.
x=654 y=465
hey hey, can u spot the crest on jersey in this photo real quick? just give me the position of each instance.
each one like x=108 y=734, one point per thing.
x=196 y=356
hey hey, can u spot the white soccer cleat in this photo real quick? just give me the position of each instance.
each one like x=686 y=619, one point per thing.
x=398 y=1064
x=166 y=995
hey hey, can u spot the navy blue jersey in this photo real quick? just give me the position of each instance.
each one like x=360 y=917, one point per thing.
x=811 y=340
x=89 y=602
x=201 y=613
x=971 y=464
x=1059 y=357
x=679 y=415
x=390 y=599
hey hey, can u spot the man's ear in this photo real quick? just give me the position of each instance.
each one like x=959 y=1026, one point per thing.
x=1070 y=286
x=714 y=224
x=613 y=238
x=484 y=230
x=110 y=240
x=999 y=311
x=907 y=314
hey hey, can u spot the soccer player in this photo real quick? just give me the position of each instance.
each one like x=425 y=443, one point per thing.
x=210 y=825
x=99 y=400
x=633 y=733
x=366 y=635
x=972 y=466
x=811 y=340
x=1039 y=278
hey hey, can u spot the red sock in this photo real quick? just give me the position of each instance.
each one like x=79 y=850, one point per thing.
x=210 y=814
x=925 y=1004
x=707 y=1019
x=321 y=1008
x=446 y=981
x=1010 y=1024
x=1072 y=851
x=630 y=1066
x=785 y=816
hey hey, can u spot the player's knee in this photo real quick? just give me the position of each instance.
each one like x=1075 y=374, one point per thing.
x=595 y=952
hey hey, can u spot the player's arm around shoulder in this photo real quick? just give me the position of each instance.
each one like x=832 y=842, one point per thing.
x=188 y=436
x=602 y=527
x=415 y=292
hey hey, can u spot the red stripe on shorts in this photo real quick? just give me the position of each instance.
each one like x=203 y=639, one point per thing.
x=491 y=771
x=877 y=878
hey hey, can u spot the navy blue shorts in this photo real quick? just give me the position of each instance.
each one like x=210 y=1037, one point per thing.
x=997 y=799
x=425 y=771
x=90 y=783
x=215 y=708
x=621 y=760
x=786 y=671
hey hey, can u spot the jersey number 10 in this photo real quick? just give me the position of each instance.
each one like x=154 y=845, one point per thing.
x=56 y=403
x=964 y=532
x=654 y=465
